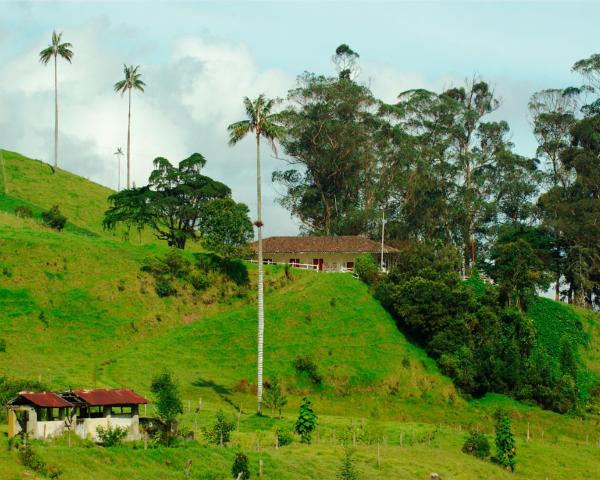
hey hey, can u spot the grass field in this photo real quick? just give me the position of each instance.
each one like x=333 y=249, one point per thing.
x=76 y=310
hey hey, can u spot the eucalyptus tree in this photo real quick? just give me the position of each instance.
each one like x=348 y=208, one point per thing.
x=132 y=81
x=53 y=51
x=261 y=122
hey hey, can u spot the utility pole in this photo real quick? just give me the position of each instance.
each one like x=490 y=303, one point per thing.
x=119 y=154
x=382 y=237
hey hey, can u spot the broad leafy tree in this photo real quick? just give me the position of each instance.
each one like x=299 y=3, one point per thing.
x=57 y=48
x=132 y=81
x=176 y=206
x=260 y=122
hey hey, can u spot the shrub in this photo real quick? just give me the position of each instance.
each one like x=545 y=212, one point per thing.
x=164 y=288
x=168 y=404
x=366 y=268
x=505 y=443
x=111 y=436
x=220 y=433
x=477 y=445
x=307 y=421
x=23 y=212
x=199 y=281
x=54 y=219
x=305 y=364
x=347 y=470
x=240 y=466
x=284 y=436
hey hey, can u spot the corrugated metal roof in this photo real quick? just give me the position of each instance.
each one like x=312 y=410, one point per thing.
x=339 y=244
x=106 y=396
x=41 y=399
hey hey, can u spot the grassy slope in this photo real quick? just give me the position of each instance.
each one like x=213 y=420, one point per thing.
x=100 y=326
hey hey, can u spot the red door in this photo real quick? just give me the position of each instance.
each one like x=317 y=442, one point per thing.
x=350 y=266
x=318 y=262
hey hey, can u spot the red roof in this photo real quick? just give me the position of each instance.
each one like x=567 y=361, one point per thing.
x=42 y=399
x=106 y=396
x=339 y=244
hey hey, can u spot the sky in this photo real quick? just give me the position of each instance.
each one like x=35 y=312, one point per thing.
x=199 y=59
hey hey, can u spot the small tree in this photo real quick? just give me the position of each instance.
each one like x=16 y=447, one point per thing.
x=505 y=443
x=307 y=421
x=275 y=398
x=347 y=470
x=54 y=219
x=366 y=268
x=220 y=433
x=168 y=403
x=240 y=469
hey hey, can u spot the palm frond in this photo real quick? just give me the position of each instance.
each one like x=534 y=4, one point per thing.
x=238 y=130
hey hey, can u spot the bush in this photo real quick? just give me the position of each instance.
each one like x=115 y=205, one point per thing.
x=305 y=364
x=347 y=470
x=505 y=443
x=54 y=219
x=307 y=421
x=111 y=436
x=220 y=433
x=164 y=288
x=477 y=445
x=284 y=436
x=366 y=268
x=23 y=212
x=240 y=466
x=199 y=281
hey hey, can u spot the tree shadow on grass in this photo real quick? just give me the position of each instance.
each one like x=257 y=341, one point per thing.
x=218 y=389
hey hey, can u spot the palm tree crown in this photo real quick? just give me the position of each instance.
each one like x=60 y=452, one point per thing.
x=56 y=49
x=132 y=80
x=260 y=121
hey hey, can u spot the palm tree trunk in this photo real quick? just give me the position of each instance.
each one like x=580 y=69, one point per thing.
x=261 y=313
x=129 y=143
x=55 y=113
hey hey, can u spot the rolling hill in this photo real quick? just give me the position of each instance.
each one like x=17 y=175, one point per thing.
x=76 y=309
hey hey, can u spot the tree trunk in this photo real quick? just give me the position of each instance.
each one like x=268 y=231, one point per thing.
x=55 y=113
x=261 y=313
x=129 y=143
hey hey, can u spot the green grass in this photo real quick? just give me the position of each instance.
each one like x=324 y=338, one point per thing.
x=76 y=310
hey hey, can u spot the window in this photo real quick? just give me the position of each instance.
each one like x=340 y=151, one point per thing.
x=294 y=262
x=350 y=266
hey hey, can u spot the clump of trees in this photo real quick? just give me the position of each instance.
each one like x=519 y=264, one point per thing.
x=475 y=332
x=181 y=204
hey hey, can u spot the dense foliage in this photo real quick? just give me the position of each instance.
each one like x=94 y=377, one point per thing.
x=54 y=218
x=505 y=443
x=477 y=445
x=480 y=340
x=168 y=404
x=240 y=469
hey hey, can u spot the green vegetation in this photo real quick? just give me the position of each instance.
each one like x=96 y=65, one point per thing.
x=307 y=421
x=80 y=309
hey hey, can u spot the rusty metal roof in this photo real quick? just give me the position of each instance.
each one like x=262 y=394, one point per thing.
x=41 y=399
x=339 y=244
x=106 y=396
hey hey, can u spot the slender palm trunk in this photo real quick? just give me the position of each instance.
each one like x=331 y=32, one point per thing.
x=119 y=174
x=55 y=113
x=129 y=143
x=261 y=313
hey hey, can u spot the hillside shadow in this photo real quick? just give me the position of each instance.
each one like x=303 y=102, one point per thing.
x=218 y=389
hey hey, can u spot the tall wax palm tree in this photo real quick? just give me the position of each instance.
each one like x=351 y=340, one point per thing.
x=119 y=154
x=53 y=51
x=131 y=81
x=260 y=122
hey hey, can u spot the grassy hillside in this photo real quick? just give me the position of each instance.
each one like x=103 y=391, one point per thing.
x=76 y=310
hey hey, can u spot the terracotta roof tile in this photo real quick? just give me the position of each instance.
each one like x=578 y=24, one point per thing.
x=339 y=244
